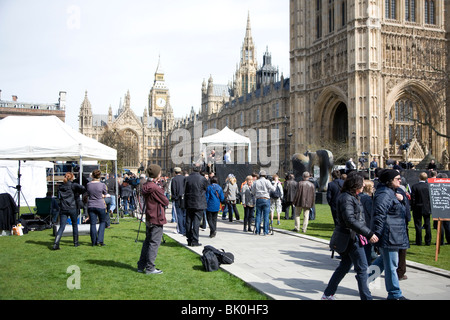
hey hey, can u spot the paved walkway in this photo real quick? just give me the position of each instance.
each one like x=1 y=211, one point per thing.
x=293 y=266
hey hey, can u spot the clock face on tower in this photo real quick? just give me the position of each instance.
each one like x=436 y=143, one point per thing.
x=161 y=102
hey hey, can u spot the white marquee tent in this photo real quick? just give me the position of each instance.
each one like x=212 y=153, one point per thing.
x=226 y=137
x=47 y=138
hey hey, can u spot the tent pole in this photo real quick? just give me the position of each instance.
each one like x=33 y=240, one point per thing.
x=81 y=183
x=117 y=190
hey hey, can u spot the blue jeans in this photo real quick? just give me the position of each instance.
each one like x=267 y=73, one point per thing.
x=100 y=214
x=63 y=221
x=181 y=218
x=126 y=201
x=262 y=211
x=388 y=261
x=355 y=255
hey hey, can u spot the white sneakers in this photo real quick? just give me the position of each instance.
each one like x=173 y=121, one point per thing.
x=332 y=297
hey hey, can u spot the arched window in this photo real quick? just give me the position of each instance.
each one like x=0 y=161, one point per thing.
x=430 y=12
x=403 y=126
x=390 y=7
x=131 y=149
x=410 y=10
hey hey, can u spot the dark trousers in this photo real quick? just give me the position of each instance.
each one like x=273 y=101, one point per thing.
x=248 y=217
x=193 y=218
x=289 y=207
x=100 y=214
x=150 y=247
x=355 y=256
x=212 y=222
x=232 y=207
x=418 y=216
x=445 y=231
x=63 y=221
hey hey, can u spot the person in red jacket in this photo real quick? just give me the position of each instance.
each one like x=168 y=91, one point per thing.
x=155 y=219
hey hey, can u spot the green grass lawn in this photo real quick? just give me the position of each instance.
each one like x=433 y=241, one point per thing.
x=31 y=270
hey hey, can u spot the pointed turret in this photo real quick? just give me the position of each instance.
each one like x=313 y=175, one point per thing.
x=85 y=118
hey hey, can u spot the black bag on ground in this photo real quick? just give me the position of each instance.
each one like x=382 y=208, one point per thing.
x=210 y=261
x=211 y=255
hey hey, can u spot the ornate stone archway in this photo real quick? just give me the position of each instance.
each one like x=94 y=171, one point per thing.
x=131 y=149
x=331 y=116
x=408 y=106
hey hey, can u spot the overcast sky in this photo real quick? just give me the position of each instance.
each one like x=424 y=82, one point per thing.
x=108 y=47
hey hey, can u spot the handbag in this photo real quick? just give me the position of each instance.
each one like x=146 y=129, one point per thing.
x=339 y=240
x=221 y=202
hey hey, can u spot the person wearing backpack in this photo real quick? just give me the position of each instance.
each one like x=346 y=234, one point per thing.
x=275 y=198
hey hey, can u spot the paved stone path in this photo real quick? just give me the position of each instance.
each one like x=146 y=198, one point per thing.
x=293 y=266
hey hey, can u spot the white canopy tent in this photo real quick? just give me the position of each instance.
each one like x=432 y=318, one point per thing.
x=47 y=138
x=226 y=137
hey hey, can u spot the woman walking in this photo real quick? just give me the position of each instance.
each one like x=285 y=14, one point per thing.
x=214 y=196
x=389 y=224
x=68 y=195
x=350 y=220
x=97 y=208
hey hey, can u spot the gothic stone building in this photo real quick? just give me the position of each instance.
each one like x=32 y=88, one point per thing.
x=363 y=72
x=368 y=75
x=254 y=104
x=145 y=136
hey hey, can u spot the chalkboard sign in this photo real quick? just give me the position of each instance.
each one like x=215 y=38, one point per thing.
x=440 y=198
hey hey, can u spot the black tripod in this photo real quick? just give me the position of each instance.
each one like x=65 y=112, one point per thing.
x=140 y=222
x=19 y=192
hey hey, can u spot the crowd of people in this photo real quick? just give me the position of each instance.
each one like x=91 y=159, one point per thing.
x=373 y=214
x=371 y=226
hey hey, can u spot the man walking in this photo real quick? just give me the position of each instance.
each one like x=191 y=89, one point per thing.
x=177 y=193
x=195 y=200
x=304 y=201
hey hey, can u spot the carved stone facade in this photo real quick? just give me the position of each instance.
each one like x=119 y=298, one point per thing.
x=370 y=75
x=255 y=104
x=145 y=136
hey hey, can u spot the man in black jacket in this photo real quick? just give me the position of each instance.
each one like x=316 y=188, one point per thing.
x=333 y=191
x=420 y=198
x=195 y=201
x=177 y=192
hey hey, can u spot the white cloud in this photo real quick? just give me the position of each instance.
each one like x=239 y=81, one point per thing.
x=115 y=45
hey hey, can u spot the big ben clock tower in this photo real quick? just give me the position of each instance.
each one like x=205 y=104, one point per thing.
x=159 y=96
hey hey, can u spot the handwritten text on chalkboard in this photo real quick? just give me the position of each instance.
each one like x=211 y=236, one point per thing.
x=440 y=198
